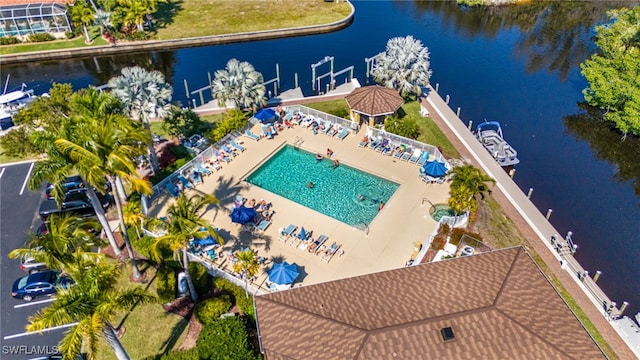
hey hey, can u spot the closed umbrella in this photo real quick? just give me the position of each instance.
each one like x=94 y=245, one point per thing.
x=435 y=168
x=283 y=273
x=242 y=215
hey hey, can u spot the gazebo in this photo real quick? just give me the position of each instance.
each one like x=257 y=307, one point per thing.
x=374 y=102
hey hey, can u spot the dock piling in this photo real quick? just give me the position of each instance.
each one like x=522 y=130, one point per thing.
x=458 y=112
x=597 y=276
x=446 y=99
x=623 y=307
x=549 y=213
x=437 y=86
x=529 y=193
x=470 y=124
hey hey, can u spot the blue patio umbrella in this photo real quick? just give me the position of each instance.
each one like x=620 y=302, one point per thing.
x=266 y=116
x=207 y=237
x=242 y=215
x=302 y=234
x=283 y=273
x=435 y=168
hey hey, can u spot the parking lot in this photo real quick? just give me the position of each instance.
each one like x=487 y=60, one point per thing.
x=19 y=214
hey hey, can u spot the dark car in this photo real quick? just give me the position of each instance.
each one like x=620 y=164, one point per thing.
x=75 y=201
x=69 y=184
x=39 y=284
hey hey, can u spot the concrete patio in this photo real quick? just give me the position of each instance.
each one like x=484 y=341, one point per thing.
x=387 y=244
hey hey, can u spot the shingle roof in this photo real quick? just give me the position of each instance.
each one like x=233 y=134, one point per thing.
x=499 y=305
x=374 y=100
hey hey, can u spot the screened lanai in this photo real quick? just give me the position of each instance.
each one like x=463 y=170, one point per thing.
x=33 y=17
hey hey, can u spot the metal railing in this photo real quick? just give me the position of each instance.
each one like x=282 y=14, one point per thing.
x=414 y=144
x=354 y=126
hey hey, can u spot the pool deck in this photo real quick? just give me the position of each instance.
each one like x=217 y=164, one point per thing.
x=390 y=239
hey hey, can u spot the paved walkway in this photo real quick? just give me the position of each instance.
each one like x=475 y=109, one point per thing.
x=530 y=221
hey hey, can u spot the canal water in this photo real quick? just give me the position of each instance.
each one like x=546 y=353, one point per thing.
x=516 y=65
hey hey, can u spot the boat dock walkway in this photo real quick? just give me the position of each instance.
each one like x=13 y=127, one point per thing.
x=555 y=252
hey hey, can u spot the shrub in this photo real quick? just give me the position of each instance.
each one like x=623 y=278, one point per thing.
x=184 y=123
x=41 y=37
x=17 y=143
x=166 y=288
x=225 y=339
x=69 y=34
x=407 y=127
x=244 y=303
x=457 y=233
x=210 y=310
x=440 y=239
x=231 y=121
x=9 y=40
x=199 y=276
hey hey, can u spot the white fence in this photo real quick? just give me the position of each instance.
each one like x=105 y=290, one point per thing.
x=452 y=221
x=414 y=144
x=214 y=271
x=354 y=126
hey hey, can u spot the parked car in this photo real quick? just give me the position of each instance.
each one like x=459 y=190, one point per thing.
x=71 y=183
x=39 y=284
x=28 y=263
x=75 y=201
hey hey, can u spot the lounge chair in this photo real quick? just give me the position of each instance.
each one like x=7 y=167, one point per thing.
x=202 y=169
x=387 y=150
x=307 y=121
x=375 y=143
x=383 y=145
x=327 y=127
x=172 y=189
x=266 y=132
x=334 y=130
x=229 y=150
x=343 y=134
x=297 y=239
x=237 y=146
x=423 y=159
x=186 y=183
x=416 y=156
x=286 y=233
x=398 y=154
x=221 y=156
x=364 y=142
x=263 y=225
x=314 y=248
x=289 y=115
x=332 y=250
x=406 y=155
x=196 y=177
x=251 y=135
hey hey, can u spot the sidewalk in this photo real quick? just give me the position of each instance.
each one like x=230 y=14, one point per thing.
x=526 y=216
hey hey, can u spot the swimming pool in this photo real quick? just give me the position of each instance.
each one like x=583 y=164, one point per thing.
x=335 y=193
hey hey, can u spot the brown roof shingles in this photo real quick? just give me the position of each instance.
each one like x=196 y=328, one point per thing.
x=374 y=100
x=498 y=304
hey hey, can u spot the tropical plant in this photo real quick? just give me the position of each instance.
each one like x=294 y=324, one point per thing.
x=101 y=146
x=614 y=72
x=84 y=14
x=247 y=265
x=404 y=66
x=231 y=121
x=185 y=224
x=103 y=19
x=184 y=123
x=67 y=239
x=92 y=303
x=407 y=127
x=133 y=216
x=137 y=11
x=240 y=84
x=468 y=182
x=143 y=94
x=211 y=309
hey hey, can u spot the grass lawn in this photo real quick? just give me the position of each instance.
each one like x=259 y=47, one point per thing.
x=94 y=33
x=149 y=329
x=182 y=19
x=4 y=159
x=430 y=133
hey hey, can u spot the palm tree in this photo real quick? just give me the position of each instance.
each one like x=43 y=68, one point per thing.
x=144 y=94
x=133 y=216
x=247 y=265
x=67 y=239
x=404 y=66
x=104 y=146
x=468 y=182
x=136 y=11
x=83 y=13
x=239 y=83
x=92 y=303
x=103 y=19
x=185 y=223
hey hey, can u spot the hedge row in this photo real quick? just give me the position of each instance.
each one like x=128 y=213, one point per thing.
x=242 y=301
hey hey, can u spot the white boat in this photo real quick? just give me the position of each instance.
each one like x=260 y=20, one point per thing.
x=489 y=133
x=12 y=102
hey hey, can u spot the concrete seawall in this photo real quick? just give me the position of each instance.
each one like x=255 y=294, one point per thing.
x=152 y=45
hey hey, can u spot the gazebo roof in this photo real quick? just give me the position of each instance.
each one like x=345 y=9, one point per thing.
x=374 y=100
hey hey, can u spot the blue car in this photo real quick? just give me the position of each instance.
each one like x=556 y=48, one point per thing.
x=39 y=284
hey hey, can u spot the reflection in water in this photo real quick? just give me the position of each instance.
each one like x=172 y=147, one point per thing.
x=607 y=144
x=104 y=68
x=553 y=35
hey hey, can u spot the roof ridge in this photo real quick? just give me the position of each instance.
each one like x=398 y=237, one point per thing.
x=506 y=276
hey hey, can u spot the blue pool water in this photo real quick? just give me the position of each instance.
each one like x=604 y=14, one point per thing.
x=336 y=192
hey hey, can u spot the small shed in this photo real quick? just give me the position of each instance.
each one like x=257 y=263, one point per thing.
x=373 y=102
